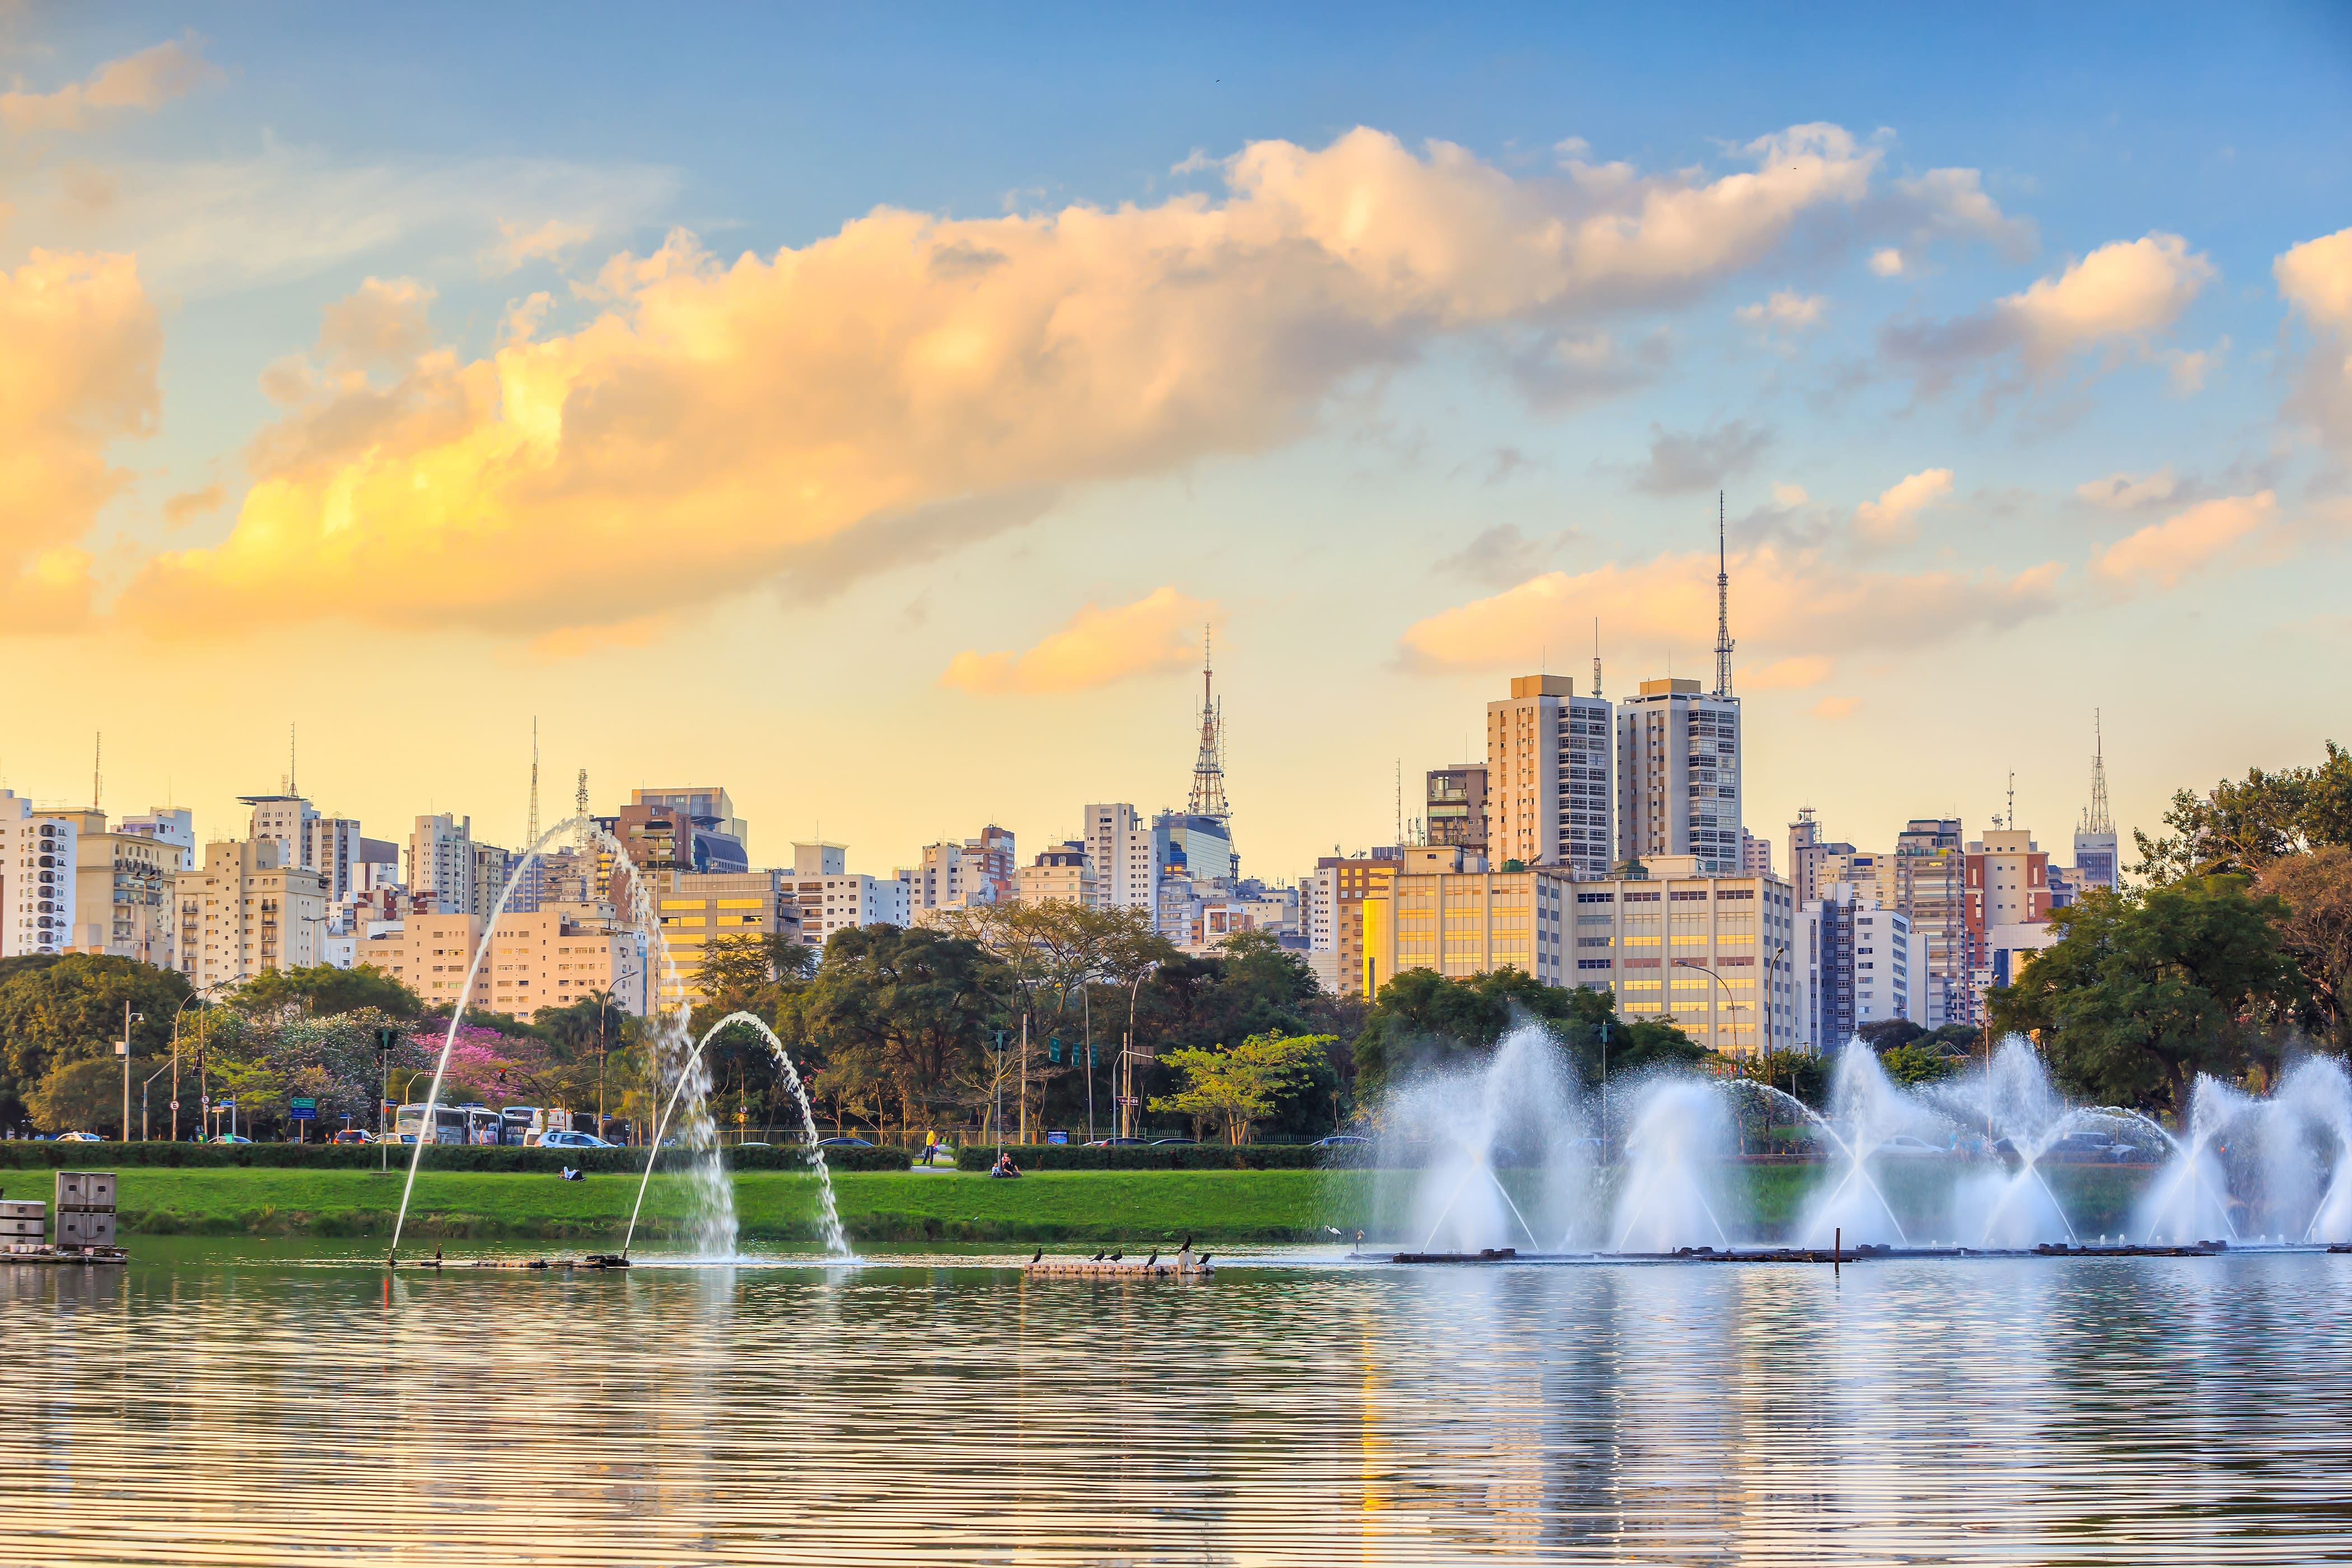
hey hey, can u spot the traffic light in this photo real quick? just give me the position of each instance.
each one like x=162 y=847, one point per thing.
x=386 y=1036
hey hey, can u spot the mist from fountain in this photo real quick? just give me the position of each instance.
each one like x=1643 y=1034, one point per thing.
x=1671 y=1192
x=713 y=1195
x=829 y=1229
x=2273 y=1168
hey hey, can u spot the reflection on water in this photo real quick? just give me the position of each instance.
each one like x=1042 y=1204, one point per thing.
x=202 y=1407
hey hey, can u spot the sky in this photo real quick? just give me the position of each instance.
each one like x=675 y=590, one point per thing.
x=867 y=409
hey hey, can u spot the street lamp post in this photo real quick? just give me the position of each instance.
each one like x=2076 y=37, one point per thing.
x=1127 y=1055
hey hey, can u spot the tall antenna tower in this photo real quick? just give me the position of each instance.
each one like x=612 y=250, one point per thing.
x=1208 y=799
x=1722 y=606
x=580 y=802
x=98 y=774
x=533 y=837
x=290 y=759
x=2013 y=798
x=1596 y=656
x=2095 y=818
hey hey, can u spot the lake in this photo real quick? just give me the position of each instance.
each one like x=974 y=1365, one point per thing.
x=218 y=1404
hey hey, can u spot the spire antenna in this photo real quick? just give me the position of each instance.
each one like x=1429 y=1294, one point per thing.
x=532 y=837
x=1596 y=656
x=1208 y=799
x=1723 y=644
x=98 y=774
x=2095 y=818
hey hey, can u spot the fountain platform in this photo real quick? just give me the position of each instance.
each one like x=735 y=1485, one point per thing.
x=595 y=1261
x=1865 y=1252
x=1086 y=1268
x=84 y=1255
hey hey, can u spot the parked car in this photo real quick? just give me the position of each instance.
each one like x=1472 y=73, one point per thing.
x=845 y=1143
x=2088 y=1148
x=1342 y=1140
x=231 y=1138
x=1120 y=1143
x=79 y=1138
x=352 y=1135
x=1173 y=1142
x=1903 y=1146
x=560 y=1139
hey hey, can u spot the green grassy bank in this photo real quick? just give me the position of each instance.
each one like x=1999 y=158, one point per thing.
x=1222 y=1207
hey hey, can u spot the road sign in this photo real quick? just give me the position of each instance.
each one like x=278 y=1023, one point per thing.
x=175 y=1105
x=305 y=1109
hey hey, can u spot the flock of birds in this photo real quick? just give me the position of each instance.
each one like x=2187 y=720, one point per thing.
x=1039 y=1256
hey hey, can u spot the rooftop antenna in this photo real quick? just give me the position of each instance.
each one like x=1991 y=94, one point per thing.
x=2013 y=798
x=98 y=774
x=533 y=837
x=2096 y=818
x=289 y=759
x=1722 y=606
x=1208 y=797
x=1596 y=656
x=1399 y=800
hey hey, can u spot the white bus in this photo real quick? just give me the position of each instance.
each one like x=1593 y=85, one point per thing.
x=449 y=1124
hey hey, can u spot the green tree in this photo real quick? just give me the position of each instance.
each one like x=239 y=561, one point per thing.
x=909 y=1008
x=2143 y=991
x=2242 y=826
x=1240 y=1086
x=84 y=1094
x=1423 y=1019
x=322 y=989
x=1917 y=1062
x=1884 y=1034
x=2316 y=890
x=66 y=1006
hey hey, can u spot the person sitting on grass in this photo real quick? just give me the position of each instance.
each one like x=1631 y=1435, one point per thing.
x=572 y=1175
x=1003 y=1166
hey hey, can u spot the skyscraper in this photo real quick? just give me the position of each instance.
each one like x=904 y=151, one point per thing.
x=1678 y=763
x=2094 y=840
x=1546 y=777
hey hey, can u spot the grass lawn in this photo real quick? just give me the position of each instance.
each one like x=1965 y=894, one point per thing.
x=771 y=1206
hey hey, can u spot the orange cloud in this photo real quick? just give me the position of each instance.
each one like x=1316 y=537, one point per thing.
x=146 y=80
x=79 y=370
x=1790 y=674
x=1835 y=707
x=2316 y=278
x=722 y=425
x=1784 y=603
x=1893 y=516
x=181 y=509
x=1098 y=647
x=2163 y=553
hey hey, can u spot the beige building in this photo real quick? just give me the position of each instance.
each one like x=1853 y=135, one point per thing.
x=1713 y=953
x=1062 y=875
x=697 y=906
x=1442 y=910
x=244 y=912
x=1546 y=777
x=557 y=954
x=122 y=891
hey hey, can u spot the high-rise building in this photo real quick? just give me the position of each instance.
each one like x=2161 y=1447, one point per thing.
x=1443 y=909
x=334 y=847
x=1755 y=855
x=832 y=897
x=722 y=839
x=492 y=868
x=1807 y=850
x=1548 y=777
x=167 y=825
x=2008 y=909
x=441 y=863
x=1931 y=883
x=286 y=818
x=1332 y=911
x=953 y=875
x=1678 y=769
x=1709 y=951
x=122 y=882
x=38 y=862
x=1454 y=807
x=1125 y=855
x=1855 y=961
x=246 y=911
x=697 y=907
x=547 y=958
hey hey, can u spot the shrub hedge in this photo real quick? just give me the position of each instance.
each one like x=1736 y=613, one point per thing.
x=28 y=1155
x=1151 y=1157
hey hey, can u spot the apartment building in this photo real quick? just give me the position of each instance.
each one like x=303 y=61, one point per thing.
x=487 y=878
x=2010 y=901
x=1678 y=775
x=1546 y=777
x=246 y=911
x=549 y=957
x=39 y=879
x=286 y=818
x=701 y=829
x=171 y=825
x=1807 y=851
x=335 y=848
x=1441 y=909
x=1711 y=953
x=122 y=891
x=1931 y=889
x=832 y=897
x=1063 y=874
x=1454 y=805
x=1755 y=855
x=1857 y=961
x=698 y=908
x=441 y=863
x=1123 y=849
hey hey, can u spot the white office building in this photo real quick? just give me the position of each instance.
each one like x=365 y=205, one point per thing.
x=37 y=861
x=175 y=826
x=1857 y=961
x=441 y=863
x=832 y=897
x=1126 y=858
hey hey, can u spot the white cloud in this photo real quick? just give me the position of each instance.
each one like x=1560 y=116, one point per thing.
x=1886 y=262
x=2125 y=492
x=1893 y=517
x=1788 y=495
x=1785 y=309
x=146 y=80
x=2316 y=280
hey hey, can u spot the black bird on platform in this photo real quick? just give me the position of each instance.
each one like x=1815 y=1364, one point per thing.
x=1203 y=1263
x=1096 y=1258
x=1117 y=1256
x=1153 y=1258
x=1188 y=1241
x=1038 y=1257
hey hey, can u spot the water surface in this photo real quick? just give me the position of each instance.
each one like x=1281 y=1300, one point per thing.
x=213 y=1405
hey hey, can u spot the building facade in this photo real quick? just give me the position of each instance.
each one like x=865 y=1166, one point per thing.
x=1547 y=783
x=1441 y=909
x=441 y=863
x=1855 y=962
x=698 y=908
x=1678 y=776
x=122 y=891
x=1125 y=853
x=245 y=911
x=1331 y=913
x=39 y=876
x=1711 y=953
x=1931 y=889
x=1063 y=874
x=1454 y=810
x=832 y=897
x=549 y=957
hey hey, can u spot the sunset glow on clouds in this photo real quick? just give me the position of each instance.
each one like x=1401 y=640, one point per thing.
x=679 y=404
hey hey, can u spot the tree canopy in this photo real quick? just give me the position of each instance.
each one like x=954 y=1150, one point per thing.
x=2242 y=826
x=1424 y=1019
x=1240 y=1085
x=64 y=1008
x=322 y=989
x=2143 y=991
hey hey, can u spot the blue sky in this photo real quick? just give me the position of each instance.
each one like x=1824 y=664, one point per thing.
x=1349 y=546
